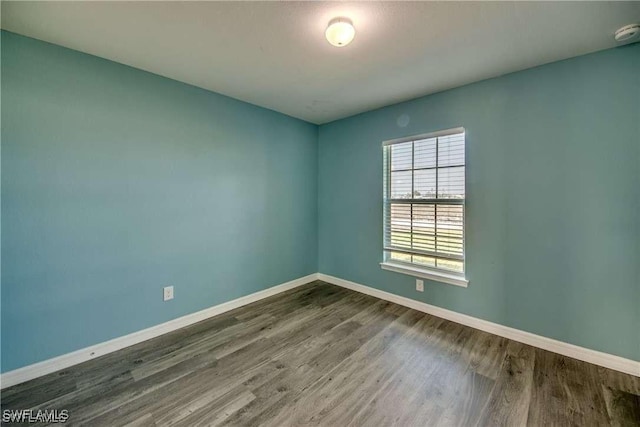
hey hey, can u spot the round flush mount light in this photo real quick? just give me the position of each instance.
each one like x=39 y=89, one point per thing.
x=627 y=32
x=340 y=32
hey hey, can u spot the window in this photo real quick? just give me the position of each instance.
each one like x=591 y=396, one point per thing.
x=424 y=197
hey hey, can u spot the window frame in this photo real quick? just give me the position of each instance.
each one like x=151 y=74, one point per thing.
x=411 y=268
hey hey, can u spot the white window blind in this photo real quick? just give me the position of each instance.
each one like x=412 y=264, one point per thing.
x=424 y=197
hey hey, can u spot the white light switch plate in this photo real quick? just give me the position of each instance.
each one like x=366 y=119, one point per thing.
x=167 y=293
x=419 y=285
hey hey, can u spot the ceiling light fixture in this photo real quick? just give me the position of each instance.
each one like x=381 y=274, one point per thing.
x=627 y=32
x=340 y=32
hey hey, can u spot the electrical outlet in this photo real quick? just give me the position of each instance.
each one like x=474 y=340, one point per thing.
x=419 y=285
x=167 y=293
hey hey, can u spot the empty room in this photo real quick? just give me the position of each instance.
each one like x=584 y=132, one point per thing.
x=316 y=213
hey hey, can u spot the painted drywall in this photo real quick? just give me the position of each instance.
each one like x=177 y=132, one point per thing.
x=116 y=182
x=553 y=199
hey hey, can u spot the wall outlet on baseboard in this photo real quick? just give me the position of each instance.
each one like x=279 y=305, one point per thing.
x=419 y=285
x=167 y=293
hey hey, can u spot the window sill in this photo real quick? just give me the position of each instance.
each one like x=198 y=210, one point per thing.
x=436 y=276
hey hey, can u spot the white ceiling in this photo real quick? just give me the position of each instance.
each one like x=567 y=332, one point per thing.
x=274 y=54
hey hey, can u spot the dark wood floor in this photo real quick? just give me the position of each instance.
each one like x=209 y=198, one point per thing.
x=323 y=355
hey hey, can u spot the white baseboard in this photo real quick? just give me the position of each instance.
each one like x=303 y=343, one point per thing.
x=64 y=361
x=606 y=360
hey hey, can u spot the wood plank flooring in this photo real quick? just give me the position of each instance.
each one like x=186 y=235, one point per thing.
x=324 y=355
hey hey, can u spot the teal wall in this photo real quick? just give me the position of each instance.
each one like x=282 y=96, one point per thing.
x=553 y=198
x=116 y=182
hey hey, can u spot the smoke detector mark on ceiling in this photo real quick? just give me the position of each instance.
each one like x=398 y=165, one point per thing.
x=627 y=32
